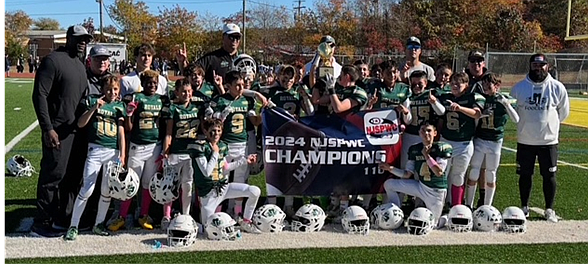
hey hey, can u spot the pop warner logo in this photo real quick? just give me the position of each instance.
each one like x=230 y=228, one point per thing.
x=381 y=127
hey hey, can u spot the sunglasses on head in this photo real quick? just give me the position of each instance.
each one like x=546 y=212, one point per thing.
x=480 y=60
x=412 y=46
x=235 y=37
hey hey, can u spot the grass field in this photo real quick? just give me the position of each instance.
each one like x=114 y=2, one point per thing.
x=571 y=203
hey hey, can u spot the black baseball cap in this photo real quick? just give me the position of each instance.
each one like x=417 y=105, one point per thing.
x=476 y=54
x=78 y=31
x=538 y=58
x=99 y=51
x=413 y=40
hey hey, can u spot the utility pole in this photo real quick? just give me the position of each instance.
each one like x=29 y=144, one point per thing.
x=243 y=39
x=299 y=9
x=101 y=18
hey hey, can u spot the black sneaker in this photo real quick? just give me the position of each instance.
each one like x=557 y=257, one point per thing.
x=45 y=231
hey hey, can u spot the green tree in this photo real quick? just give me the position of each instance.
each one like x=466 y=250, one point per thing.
x=16 y=23
x=46 y=23
x=177 y=25
x=137 y=23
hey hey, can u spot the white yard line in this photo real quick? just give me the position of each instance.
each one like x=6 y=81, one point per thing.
x=20 y=136
x=562 y=162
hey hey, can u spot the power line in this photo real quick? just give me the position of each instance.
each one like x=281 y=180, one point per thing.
x=111 y=19
x=38 y=3
x=270 y=5
x=64 y=14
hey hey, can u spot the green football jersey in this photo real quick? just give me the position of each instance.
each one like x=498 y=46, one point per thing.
x=456 y=125
x=186 y=122
x=389 y=97
x=286 y=100
x=493 y=120
x=103 y=129
x=421 y=111
x=234 y=129
x=208 y=90
x=353 y=93
x=205 y=183
x=421 y=168
x=146 y=118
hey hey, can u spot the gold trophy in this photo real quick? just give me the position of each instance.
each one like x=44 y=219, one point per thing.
x=325 y=51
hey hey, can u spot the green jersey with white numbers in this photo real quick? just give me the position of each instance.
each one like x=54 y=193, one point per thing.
x=421 y=168
x=104 y=122
x=421 y=111
x=456 y=125
x=388 y=97
x=234 y=129
x=285 y=99
x=146 y=118
x=205 y=183
x=493 y=120
x=353 y=93
x=186 y=122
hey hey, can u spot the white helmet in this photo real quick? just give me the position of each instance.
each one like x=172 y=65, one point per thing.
x=308 y=218
x=220 y=226
x=123 y=184
x=355 y=220
x=19 y=166
x=514 y=220
x=182 y=231
x=269 y=218
x=420 y=221
x=460 y=218
x=165 y=187
x=487 y=218
x=244 y=64
x=387 y=216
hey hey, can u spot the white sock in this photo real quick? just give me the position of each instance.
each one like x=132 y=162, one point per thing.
x=186 y=197
x=489 y=198
x=103 y=205
x=470 y=195
x=78 y=210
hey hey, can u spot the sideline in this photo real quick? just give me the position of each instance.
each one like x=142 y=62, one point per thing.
x=559 y=161
x=20 y=136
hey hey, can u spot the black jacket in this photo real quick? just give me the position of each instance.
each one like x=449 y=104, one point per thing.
x=218 y=61
x=59 y=85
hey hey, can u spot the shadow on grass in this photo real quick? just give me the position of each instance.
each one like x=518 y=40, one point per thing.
x=14 y=217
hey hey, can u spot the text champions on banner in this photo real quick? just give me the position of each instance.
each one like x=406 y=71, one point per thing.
x=320 y=155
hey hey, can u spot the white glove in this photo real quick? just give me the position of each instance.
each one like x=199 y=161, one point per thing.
x=330 y=83
x=226 y=112
x=502 y=99
x=251 y=113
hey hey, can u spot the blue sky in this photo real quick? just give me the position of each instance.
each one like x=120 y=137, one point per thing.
x=70 y=12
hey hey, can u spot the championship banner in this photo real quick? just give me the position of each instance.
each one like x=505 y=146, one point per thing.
x=324 y=154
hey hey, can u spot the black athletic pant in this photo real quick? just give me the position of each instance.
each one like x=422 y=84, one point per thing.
x=53 y=168
x=547 y=156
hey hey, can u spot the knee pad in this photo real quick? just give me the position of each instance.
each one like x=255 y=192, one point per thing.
x=490 y=176
x=475 y=174
x=254 y=190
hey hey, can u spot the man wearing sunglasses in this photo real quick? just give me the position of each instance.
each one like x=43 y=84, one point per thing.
x=476 y=69
x=413 y=63
x=217 y=62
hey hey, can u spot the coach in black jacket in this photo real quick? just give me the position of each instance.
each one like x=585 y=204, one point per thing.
x=59 y=86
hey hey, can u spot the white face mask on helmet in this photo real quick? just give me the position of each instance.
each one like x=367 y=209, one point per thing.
x=182 y=231
x=123 y=184
x=387 y=216
x=269 y=218
x=19 y=166
x=460 y=219
x=245 y=64
x=514 y=220
x=487 y=218
x=165 y=187
x=420 y=221
x=355 y=220
x=308 y=218
x=220 y=226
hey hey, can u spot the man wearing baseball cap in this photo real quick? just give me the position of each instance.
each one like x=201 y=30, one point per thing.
x=542 y=104
x=217 y=62
x=316 y=60
x=475 y=71
x=59 y=86
x=99 y=67
x=413 y=63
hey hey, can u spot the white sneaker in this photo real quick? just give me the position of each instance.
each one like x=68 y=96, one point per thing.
x=442 y=222
x=550 y=215
x=526 y=211
x=249 y=227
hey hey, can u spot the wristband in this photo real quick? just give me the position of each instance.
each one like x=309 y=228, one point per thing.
x=396 y=171
x=431 y=162
x=331 y=91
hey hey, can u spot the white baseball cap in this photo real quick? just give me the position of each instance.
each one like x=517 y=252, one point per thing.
x=231 y=29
